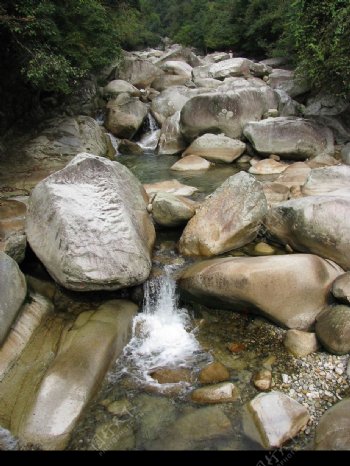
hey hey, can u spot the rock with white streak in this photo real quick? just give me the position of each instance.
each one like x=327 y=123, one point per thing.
x=171 y=140
x=220 y=393
x=89 y=226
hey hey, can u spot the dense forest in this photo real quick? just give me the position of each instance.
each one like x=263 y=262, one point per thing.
x=48 y=46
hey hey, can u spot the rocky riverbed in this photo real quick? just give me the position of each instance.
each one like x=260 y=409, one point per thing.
x=233 y=176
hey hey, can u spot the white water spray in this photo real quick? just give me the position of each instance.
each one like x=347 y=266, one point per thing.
x=161 y=334
x=149 y=140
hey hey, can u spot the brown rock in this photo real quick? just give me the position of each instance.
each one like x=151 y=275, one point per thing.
x=262 y=380
x=12 y=236
x=214 y=373
x=300 y=343
x=236 y=347
x=167 y=375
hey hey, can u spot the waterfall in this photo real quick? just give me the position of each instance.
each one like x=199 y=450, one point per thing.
x=161 y=333
x=149 y=140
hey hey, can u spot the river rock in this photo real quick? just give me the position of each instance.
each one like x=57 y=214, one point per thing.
x=295 y=175
x=326 y=104
x=125 y=116
x=209 y=83
x=333 y=329
x=171 y=140
x=13 y=240
x=300 y=343
x=170 y=186
x=341 y=288
x=227 y=220
x=275 y=192
x=237 y=67
x=127 y=147
x=169 y=102
x=264 y=249
x=327 y=179
x=220 y=393
x=262 y=380
x=215 y=57
x=333 y=429
x=275 y=62
x=164 y=82
x=168 y=375
x=140 y=73
x=267 y=167
x=191 y=163
x=92 y=232
x=179 y=53
x=285 y=80
x=232 y=84
x=199 y=425
x=272 y=419
x=113 y=435
x=323 y=160
x=176 y=67
x=216 y=148
x=86 y=351
x=169 y=210
x=214 y=373
x=316 y=224
x=118 y=86
x=13 y=290
x=345 y=154
x=289 y=137
x=225 y=113
x=290 y=290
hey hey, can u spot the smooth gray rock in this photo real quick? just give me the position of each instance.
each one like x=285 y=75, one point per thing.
x=341 y=288
x=290 y=138
x=316 y=224
x=227 y=220
x=333 y=329
x=333 y=429
x=286 y=81
x=140 y=73
x=216 y=148
x=237 y=67
x=118 y=86
x=300 y=343
x=290 y=290
x=125 y=116
x=169 y=210
x=13 y=290
x=89 y=226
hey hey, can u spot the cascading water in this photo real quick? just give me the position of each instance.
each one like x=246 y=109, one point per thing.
x=161 y=333
x=149 y=140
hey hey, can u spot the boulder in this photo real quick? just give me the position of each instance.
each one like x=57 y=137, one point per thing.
x=272 y=419
x=345 y=154
x=118 y=86
x=300 y=343
x=275 y=192
x=316 y=224
x=290 y=290
x=275 y=62
x=333 y=429
x=171 y=140
x=164 y=82
x=13 y=240
x=169 y=210
x=225 y=113
x=326 y=180
x=333 y=329
x=140 y=73
x=127 y=147
x=220 y=393
x=267 y=167
x=125 y=116
x=262 y=380
x=179 y=53
x=215 y=57
x=341 y=288
x=86 y=350
x=209 y=83
x=176 y=67
x=228 y=219
x=232 y=84
x=287 y=106
x=237 y=67
x=216 y=148
x=325 y=104
x=191 y=163
x=214 y=373
x=13 y=290
x=295 y=175
x=170 y=186
x=167 y=375
x=285 y=80
x=323 y=160
x=92 y=232
x=290 y=138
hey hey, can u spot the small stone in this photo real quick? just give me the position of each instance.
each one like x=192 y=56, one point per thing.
x=236 y=347
x=149 y=208
x=300 y=343
x=120 y=408
x=262 y=380
x=339 y=371
x=167 y=375
x=214 y=373
x=285 y=378
x=264 y=249
x=221 y=393
x=275 y=157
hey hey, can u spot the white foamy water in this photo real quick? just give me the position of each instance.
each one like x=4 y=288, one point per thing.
x=7 y=440
x=162 y=336
x=149 y=140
